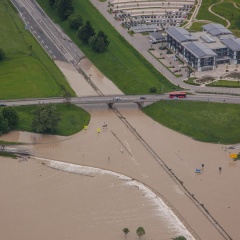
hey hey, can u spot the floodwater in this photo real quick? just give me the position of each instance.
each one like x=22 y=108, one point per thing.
x=42 y=202
x=52 y=204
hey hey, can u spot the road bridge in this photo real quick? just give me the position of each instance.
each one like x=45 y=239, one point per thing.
x=112 y=100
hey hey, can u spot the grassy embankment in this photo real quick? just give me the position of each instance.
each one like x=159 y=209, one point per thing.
x=73 y=119
x=207 y=122
x=27 y=71
x=204 y=14
x=122 y=64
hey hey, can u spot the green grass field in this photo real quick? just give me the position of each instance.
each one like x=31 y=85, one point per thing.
x=121 y=63
x=224 y=83
x=207 y=122
x=204 y=14
x=27 y=70
x=73 y=119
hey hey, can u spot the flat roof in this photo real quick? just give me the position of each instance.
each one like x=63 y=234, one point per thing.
x=157 y=35
x=145 y=28
x=215 y=44
x=216 y=29
x=180 y=34
x=200 y=50
x=232 y=43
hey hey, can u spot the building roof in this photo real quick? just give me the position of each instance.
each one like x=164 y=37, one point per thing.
x=145 y=28
x=216 y=29
x=199 y=50
x=157 y=35
x=180 y=34
x=232 y=43
x=213 y=42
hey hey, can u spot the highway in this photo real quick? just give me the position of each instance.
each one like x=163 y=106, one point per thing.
x=111 y=99
x=51 y=37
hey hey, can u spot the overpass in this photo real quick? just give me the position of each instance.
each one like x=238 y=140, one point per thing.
x=112 y=100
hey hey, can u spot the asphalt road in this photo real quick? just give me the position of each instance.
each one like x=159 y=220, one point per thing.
x=55 y=42
x=138 y=99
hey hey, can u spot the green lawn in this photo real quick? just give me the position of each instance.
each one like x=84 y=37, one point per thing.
x=27 y=70
x=121 y=63
x=224 y=83
x=228 y=11
x=204 y=14
x=207 y=122
x=191 y=81
x=73 y=119
x=197 y=26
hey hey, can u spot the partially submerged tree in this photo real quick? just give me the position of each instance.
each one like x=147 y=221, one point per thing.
x=140 y=232
x=46 y=119
x=11 y=115
x=126 y=231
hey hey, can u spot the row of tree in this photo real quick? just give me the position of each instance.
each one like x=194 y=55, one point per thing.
x=86 y=33
x=8 y=120
x=2 y=54
x=64 y=8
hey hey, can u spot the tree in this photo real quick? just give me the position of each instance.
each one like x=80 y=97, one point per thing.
x=51 y=3
x=85 y=32
x=11 y=115
x=101 y=42
x=4 y=128
x=140 y=232
x=2 y=54
x=46 y=119
x=75 y=21
x=126 y=231
x=64 y=8
x=67 y=97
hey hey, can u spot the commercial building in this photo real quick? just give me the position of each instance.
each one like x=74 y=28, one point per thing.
x=205 y=50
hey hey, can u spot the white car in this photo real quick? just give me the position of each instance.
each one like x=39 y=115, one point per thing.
x=118 y=98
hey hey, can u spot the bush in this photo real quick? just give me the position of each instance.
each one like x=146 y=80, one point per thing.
x=153 y=90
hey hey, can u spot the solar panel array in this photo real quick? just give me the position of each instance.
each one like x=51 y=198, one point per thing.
x=180 y=34
x=207 y=39
x=199 y=49
x=216 y=29
x=233 y=44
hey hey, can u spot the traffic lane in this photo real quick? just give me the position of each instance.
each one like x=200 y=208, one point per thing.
x=34 y=28
x=58 y=34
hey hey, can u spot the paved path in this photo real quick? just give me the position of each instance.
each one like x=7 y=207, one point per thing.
x=191 y=20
